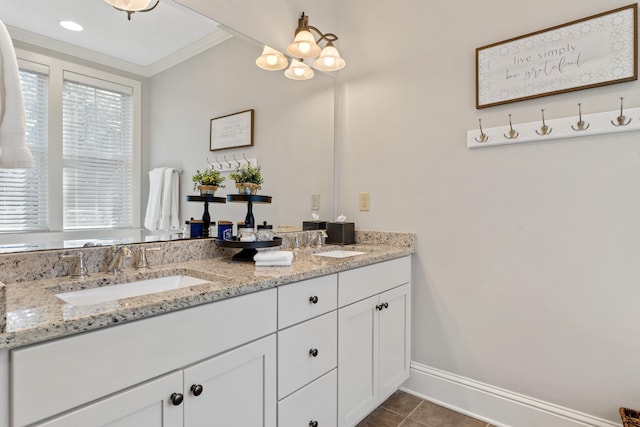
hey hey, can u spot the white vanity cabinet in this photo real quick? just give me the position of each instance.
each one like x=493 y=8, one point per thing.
x=133 y=367
x=307 y=353
x=374 y=334
x=236 y=388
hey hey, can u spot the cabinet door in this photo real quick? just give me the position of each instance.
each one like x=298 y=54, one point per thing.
x=357 y=361
x=146 y=405
x=395 y=338
x=238 y=388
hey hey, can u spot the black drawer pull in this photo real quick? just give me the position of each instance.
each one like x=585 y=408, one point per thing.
x=313 y=424
x=313 y=299
x=176 y=399
x=313 y=352
x=197 y=389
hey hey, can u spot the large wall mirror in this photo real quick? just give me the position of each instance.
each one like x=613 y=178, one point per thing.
x=188 y=78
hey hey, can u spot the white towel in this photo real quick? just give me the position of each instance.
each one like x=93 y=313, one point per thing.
x=273 y=256
x=169 y=202
x=14 y=152
x=273 y=263
x=156 y=176
x=175 y=200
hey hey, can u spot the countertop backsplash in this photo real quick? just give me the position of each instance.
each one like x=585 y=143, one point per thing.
x=29 y=266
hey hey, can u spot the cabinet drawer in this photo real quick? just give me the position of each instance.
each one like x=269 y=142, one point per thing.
x=315 y=402
x=297 y=364
x=360 y=283
x=55 y=374
x=300 y=301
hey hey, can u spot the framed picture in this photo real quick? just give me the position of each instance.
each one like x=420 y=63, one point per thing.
x=232 y=130
x=594 y=51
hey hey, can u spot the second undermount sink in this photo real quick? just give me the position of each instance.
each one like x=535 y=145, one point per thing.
x=339 y=253
x=127 y=290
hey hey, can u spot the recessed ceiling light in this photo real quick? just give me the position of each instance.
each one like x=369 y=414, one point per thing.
x=70 y=25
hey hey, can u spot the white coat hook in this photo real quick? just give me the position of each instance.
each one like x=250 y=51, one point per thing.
x=210 y=164
x=228 y=163
x=236 y=160
x=218 y=162
x=245 y=159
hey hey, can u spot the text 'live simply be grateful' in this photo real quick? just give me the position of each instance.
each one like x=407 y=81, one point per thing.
x=545 y=63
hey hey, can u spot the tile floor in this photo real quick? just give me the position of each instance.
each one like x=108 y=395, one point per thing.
x=405 y=410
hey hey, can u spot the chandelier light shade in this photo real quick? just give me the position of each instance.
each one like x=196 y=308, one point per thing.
x=272 y=60
x=132 y=6
x=329 y=59
x=303 y=46
x=298 y=70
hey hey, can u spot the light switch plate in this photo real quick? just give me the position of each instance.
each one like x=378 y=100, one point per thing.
x=364 y=201
x=315 y=201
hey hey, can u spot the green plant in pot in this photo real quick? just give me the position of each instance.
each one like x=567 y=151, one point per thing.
x=248 y=179
x=207 y=181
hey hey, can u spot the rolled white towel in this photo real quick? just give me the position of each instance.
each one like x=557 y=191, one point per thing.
x=271 y=256
x=273 y=263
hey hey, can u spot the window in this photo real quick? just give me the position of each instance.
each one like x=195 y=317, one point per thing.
x=97 y=148
x=83 y=127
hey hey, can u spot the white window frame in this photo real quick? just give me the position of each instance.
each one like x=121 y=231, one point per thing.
x=56 y=232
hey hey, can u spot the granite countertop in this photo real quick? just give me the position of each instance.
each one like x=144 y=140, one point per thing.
x=35 y=314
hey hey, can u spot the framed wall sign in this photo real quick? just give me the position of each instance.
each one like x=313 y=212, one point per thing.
x=232 y=130
x=594 y=51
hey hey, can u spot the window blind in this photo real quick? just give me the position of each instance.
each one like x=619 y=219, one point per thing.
x=24 y=192
x=97 y=153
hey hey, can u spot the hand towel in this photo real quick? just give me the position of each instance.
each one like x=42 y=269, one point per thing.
x=273 y=263
x=152 y=216
x=175 y=200
x=273 y=256
x=14 y=152
x=169 y=200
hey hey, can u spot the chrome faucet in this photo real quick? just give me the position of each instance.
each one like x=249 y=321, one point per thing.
x=316 y=238
x=79 y=269
x=117 y=253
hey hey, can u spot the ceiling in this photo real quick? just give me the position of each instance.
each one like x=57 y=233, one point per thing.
x=149 y=43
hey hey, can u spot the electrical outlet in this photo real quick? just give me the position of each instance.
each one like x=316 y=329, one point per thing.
x=315 y=202
x=364 y=201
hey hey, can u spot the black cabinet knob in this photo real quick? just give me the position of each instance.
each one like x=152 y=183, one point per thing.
x=386 y=305
x=379 y=307
x=313 y=424
x=176 y=398
x=196 y=389
x=313 y=352
x=313 y=299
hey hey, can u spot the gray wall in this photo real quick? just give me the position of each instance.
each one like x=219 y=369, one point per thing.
x=526 y=274
x=293 y=130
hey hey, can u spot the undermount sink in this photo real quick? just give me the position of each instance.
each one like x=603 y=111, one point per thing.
x=127 y=290
x=339 y=253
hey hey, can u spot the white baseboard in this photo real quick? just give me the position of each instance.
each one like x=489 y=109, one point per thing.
x=500 y=407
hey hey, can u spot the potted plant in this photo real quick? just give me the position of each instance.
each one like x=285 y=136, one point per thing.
x=207 y=181
x=248 y=179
